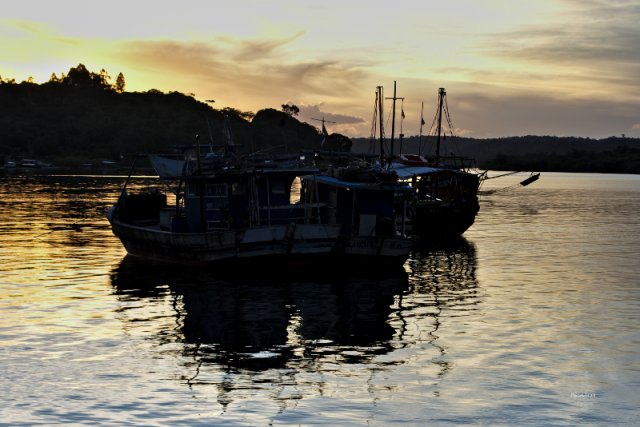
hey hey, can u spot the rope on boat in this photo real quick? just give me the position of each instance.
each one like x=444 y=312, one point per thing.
x=529 y=180
x=500 y=176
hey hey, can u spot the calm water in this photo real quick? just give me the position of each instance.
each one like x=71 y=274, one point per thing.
x=534 y=319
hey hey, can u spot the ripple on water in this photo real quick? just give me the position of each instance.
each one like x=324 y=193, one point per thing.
x=532 y=319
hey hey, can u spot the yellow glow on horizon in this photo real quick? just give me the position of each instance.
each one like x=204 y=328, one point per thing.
x=251 y=55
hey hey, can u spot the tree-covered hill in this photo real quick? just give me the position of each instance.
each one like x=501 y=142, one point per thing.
x=532 y=153
x=81 y=116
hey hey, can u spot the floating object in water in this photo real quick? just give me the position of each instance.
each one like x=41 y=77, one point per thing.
x=532 y=178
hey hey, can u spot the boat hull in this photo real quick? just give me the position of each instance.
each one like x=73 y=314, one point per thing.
x=296 y=243
x=436 y=222
x=293 y=245
x=374 y=251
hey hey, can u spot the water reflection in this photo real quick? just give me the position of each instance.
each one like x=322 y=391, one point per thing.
x=443 y=284
x=508 y=333
x=262 y=323
x=448 y=272
x=254 y=325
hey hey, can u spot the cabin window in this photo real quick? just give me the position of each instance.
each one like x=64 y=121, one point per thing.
x=294 y=196
x=238 y=188
x=277 y=187
x=216 y=190
x=192 y=190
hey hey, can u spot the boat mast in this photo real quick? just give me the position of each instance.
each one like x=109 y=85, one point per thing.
x=421 y=124
x=381 y=118
x=324 y=129
x=401 y=122
x=441 y=95
x=200 y=184
x=393 y=120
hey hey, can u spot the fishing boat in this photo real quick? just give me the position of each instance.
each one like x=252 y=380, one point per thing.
x=362 y=199
x=235 y=213
x=445 y=200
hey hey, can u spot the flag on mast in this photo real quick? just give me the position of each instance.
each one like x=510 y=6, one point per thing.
x=324 y=134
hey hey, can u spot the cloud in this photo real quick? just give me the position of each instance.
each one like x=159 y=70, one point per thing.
x=588 y=31
x=241 y=69
x=591 y=40
x=587 y=51
x=258 y=63
x=335 y=123
x=492 y=115
x=256 y=74
x=252 y=50
x=314 y=112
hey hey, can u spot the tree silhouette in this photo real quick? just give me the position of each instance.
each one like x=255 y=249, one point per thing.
x=119 y=86
x=104 y=78
x=79 y=76
x=290 y=110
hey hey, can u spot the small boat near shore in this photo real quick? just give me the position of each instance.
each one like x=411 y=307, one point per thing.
x=25 y=163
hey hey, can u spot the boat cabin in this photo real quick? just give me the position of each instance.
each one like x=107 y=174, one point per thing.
x=237 y=200
x=365 y=208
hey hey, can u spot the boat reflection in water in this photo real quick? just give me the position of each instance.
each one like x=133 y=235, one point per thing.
x=238 y=333
x=258 y=323
x=446 y=269
x=443 y=285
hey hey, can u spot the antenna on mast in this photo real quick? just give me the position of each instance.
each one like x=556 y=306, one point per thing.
x=323 y=121
x=325 y=134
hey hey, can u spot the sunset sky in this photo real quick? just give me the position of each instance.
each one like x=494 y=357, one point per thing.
x=510 y=67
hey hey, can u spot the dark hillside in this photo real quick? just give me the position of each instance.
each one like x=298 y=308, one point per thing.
x=72 y=120
x=62 y=122
x=539 y=153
